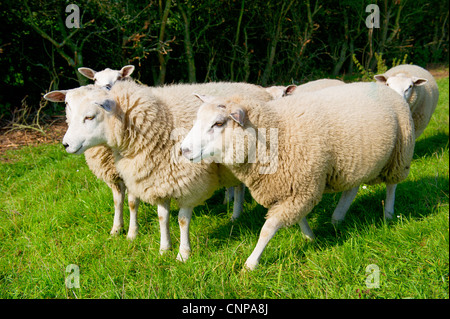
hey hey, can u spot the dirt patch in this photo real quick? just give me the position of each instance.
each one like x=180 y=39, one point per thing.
x=438 y=71
x=15 y=139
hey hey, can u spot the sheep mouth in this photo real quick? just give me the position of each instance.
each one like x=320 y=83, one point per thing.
x=79 y=151
x=187 y=153
x=195 y=159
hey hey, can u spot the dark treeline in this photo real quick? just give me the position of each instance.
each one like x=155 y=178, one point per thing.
x=263 y=42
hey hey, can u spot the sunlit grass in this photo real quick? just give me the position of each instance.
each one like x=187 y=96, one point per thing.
x=54 y=212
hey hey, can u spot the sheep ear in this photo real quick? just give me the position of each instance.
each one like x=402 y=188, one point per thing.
x=380 y=78
x=56 y=96
x=126 y=71
x=108 y=105
x=238 y=116
x=204 y=98
x=418 y=81
x=290 y=89
x=87 y=72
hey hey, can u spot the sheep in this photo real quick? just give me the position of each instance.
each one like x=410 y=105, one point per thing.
x=100 y=159
x=419 y=89
x=278 y=91
x=101 y=162
x=327 y=141
x=107 y=77
x=142 y=126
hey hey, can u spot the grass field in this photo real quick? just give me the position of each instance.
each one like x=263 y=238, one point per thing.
x=55 y=213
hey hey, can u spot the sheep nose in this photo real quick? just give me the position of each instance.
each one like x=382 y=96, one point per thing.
x=65 y=145
x=185 y=151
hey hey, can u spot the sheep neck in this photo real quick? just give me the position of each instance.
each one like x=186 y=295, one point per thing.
x=141 y=124
x=259 y=116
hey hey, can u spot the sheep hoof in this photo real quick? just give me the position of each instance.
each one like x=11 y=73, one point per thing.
x=309 y=238
x=234 y=218
x=164 y=250
x=116 y=230
x=388 y=215
x=183 y=256
x=132 y=234
x=337 y=222
x=250 y=266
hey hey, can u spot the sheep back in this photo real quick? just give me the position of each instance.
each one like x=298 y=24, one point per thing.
x=330 y=141
x=317 y=85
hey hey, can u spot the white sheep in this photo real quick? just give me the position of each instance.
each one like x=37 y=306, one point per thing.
x=279 y=91
x=100 y=159
x=327 y=141
x=107 y=77
x=142 y=126
x=419 y=89
x=101 y=162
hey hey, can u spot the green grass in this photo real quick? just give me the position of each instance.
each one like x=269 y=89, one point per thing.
x=54 y=212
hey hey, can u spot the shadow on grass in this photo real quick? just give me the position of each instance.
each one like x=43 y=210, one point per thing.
x=430 y=145
x=414 y=200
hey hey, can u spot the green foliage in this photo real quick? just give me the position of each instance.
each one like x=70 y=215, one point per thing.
x=262 y=42
x=54 y=212
x=367 y=75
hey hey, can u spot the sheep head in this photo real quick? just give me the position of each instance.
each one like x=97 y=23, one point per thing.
x=220 y=132
x=107 y=77
x=401 y=83
x=277 y=92
x=87 y=109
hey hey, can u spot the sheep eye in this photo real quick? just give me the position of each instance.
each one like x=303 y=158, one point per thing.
x=218 y=124
x=108 y=86
x=89 y=118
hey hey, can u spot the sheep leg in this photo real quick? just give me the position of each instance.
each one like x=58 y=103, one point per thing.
x=229 y=195
x=239 y=193
x=163 y=216
x=118 y=190
x=390 y=200
x=133 y=204
x=268 y=230
x=184 y=219
x=342 y=207
x=306 y=230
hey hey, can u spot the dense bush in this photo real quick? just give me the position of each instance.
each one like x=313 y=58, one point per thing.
x=263 y=42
